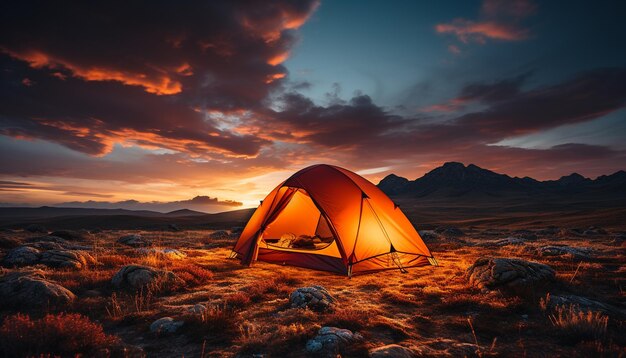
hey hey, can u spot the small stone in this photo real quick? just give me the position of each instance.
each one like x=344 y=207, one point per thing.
x=579 y=253
x=331 y=341
x=315 y=298
x=37 y=228
x=197 y=309
x=134 y=240
x=165 y=325
x=219 y=234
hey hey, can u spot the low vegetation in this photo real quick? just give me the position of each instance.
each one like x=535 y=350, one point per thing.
x=229 y=309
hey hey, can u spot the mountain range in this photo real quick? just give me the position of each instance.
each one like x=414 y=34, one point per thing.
x=456 y=181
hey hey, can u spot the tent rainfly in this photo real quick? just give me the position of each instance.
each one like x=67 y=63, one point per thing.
x=329 y=218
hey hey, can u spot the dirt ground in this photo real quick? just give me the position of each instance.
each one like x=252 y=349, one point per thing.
x=432 y=310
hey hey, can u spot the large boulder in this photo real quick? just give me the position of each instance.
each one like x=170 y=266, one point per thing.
x=30 y=289
x=165 y=325
x=134 y=240
x=391 y=351
x=22 y=256
x=137 y=277
x=67 y=259
x=331 y=341
x=509 y=274
x=315 y=298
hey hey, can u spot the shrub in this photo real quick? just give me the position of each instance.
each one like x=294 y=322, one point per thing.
x=217 y=324
x=237 y=300
x=56 y=335
x=579 y=325
x=193 y=275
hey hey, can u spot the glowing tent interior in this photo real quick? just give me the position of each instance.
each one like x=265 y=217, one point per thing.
x=328 y=218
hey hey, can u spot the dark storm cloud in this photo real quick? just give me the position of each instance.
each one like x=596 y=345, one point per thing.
x=87 y=74
x=372 y=134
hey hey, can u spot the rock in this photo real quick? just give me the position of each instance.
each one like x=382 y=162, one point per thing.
x=67 y=259
x=197 y=309
x=8 y=242
x=173 y=227
x=579 y=253
x=69 y=235
x=236 y=230
x=315 y=298
x=449 y=231
x=515 y=241
x=22 y=256
x=36 y=228
x=525 y=235
x=53 y=243
x=594 y=231
x=583 y=304
x=30 y=289
x=169 y=254
x=391 y=351
x=549 y=231
x=565 y=233
x=92 y=293
x=137 y=277
x=428 y=235
x=506 y=274
x=165 y=325
x=331 y=341
x=134 y=240
x=219 y=234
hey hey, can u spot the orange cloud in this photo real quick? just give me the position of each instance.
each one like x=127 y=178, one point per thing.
x=274 y=77
x=466 y=31
x=278 y=59
x=159 y=83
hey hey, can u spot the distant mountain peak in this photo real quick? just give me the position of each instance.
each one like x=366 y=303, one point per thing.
x=454 y=179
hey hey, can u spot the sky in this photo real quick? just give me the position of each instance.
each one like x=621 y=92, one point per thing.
x=208 y=105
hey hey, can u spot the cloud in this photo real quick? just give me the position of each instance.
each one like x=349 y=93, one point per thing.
x=119 y=72
x=200 y=203
x=359 y=131
x=499 y=20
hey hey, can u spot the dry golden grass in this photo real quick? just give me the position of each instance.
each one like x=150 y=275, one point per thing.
x=427 y=308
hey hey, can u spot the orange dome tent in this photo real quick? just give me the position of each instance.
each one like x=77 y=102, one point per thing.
x=329 y=218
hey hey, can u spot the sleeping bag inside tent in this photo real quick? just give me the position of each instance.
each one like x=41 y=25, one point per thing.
x=329 y=218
